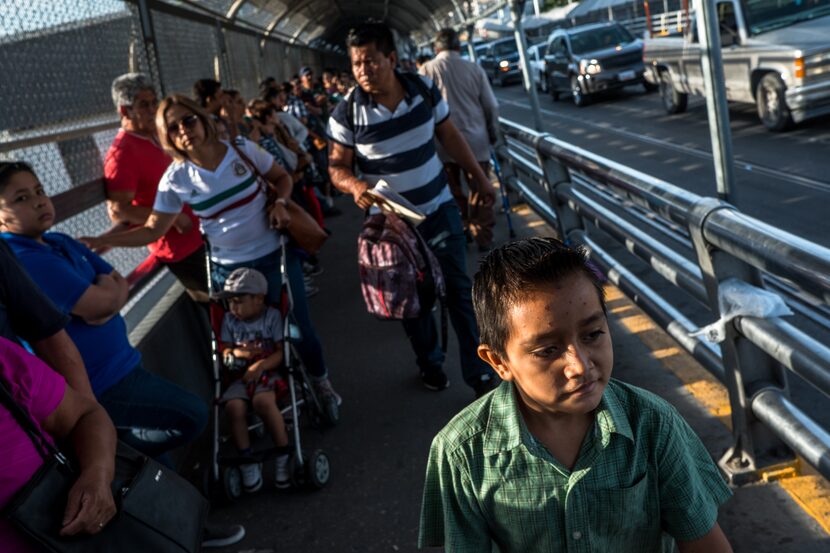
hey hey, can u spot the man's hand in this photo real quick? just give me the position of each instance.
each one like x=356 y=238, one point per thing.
x=183 y=224
x=361 y=198
x=485 y=191
x=279 y=216
x=89 y=506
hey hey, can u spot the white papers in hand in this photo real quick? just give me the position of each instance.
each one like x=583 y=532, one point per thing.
x=390 y=201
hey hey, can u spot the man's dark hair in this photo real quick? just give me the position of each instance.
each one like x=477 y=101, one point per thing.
x=372 y=32
x=513 y=271
x=204 y=89
x=422 y=59
x=447 y=39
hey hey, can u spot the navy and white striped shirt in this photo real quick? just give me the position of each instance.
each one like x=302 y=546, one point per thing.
x=398 y=146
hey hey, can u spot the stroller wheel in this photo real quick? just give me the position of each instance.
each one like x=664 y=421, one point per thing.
x=231 y=483
x=318 y=470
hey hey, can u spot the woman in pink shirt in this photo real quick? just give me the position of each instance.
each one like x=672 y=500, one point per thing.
x=65 y=415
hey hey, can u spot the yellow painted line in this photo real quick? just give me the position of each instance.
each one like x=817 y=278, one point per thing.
x=811 y=492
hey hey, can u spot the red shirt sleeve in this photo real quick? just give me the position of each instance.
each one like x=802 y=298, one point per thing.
x=120 y=172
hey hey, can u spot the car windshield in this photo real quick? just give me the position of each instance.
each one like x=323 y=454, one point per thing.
x=599 y=39
x=768 y=15
x=505 y=48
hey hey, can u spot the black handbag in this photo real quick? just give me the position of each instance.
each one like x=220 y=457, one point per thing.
x=158 y=510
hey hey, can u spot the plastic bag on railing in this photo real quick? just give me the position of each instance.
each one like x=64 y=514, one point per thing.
x=736 y=298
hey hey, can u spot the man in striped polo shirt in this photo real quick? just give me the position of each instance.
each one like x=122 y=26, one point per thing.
x=389 y=122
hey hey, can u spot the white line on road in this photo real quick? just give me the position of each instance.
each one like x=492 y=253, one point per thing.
x=703 y=154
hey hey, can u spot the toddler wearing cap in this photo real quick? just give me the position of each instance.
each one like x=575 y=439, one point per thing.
x=252 y=341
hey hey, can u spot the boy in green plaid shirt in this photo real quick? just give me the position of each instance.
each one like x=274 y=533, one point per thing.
x=560 y=457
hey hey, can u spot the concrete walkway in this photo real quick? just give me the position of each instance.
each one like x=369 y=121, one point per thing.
x=379 y=449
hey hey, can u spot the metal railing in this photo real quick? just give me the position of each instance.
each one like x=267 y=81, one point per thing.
x=694 y=243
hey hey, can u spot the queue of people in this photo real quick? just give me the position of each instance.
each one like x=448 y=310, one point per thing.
x=213 y=176
x=176 y=172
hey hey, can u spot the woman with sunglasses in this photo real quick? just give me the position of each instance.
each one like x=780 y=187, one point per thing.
x=215 y=178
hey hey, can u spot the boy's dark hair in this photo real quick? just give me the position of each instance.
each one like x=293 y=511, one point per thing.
x=204 y=89
x=514 y=270
x=8 y=169
x=447 y=39
x=372 y=32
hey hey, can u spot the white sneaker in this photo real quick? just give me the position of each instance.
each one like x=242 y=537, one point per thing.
x=282 y=477
x=251 y=477
x=325 y=389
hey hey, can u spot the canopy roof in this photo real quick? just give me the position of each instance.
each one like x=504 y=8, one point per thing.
x=328 y=21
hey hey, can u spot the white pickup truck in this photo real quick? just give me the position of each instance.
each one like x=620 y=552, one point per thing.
x=776 y=55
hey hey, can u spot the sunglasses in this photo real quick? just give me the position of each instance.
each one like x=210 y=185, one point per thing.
x=187 y=122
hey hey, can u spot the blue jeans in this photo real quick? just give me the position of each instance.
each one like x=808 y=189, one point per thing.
x=444 y=233
x=152 y=414
x=269 y=265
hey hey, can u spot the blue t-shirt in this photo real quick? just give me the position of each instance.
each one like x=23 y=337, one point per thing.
x=64 y=269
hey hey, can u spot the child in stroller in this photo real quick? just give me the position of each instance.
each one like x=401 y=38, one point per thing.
x=251 y=339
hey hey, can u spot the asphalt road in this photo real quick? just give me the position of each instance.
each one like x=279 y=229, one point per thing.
x=781 y=178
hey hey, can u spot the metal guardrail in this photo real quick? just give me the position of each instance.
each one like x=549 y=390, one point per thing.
x=694 y=243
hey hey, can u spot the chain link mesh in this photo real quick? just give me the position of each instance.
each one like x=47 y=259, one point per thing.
x=58 y=61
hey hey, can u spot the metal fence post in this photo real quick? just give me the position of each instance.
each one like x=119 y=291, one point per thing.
x=557 y=175
x=711 y=64
x=516 y=9
x=747 y=369
x=151 y=48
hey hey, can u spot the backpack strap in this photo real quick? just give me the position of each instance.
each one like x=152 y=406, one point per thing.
x=442 y=299
x=412 y=78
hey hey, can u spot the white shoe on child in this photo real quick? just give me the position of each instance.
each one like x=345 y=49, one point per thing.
x=282 y=476
x=251 y=477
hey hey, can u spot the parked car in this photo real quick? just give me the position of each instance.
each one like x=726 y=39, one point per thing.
x=588 y=59
x=536 y=60
x=776 y=55
x=500 y=61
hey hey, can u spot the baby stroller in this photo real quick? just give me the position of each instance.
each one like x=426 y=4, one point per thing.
x=296 y=397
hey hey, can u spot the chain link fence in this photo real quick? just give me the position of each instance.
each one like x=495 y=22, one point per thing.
x=59 y=58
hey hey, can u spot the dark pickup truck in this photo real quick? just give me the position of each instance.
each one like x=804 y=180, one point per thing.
x=588 y=59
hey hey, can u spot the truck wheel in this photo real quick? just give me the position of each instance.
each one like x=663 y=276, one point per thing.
x=770 y=99
x=579 y=97
x=673 y=101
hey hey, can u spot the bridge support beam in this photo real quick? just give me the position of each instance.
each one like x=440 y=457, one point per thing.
x=747 y=369
x=517 y=13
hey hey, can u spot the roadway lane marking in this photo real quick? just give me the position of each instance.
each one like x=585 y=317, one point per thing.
x=806 y=182
x=809 y=491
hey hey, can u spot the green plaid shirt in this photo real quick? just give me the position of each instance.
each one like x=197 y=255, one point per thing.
x=642 y=479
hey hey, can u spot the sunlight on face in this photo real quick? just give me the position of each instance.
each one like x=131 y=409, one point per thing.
x=559 y=352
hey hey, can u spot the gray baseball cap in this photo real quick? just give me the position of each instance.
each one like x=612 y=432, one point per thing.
x=243 y=281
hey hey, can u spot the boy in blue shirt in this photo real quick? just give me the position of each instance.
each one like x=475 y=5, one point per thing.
x=152 y=414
